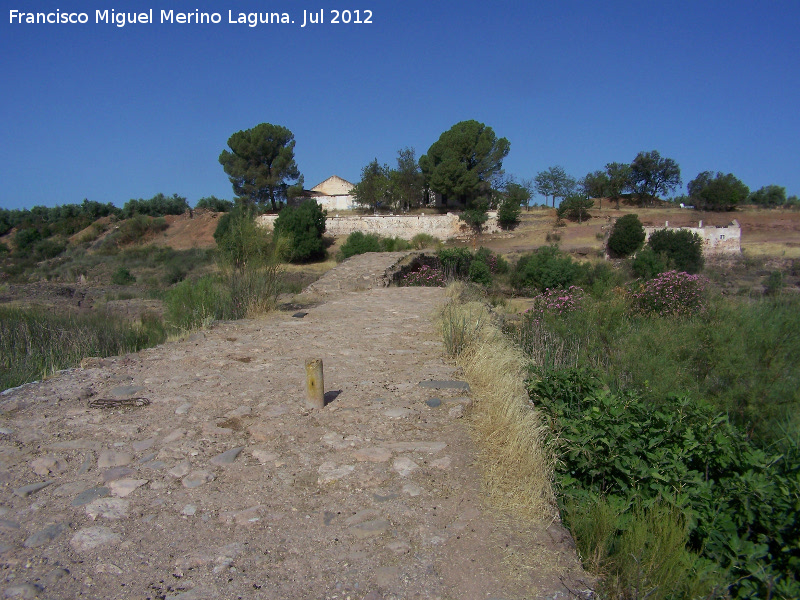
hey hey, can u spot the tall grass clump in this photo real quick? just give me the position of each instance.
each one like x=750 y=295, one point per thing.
x=517 y=461
x=35 y=344
x=195 y=304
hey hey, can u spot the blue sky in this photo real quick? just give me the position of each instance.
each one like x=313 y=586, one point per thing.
x=108 y=113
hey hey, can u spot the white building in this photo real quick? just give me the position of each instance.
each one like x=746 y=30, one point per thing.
x=333 y=194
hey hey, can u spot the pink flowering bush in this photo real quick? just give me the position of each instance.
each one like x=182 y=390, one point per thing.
x=426 y=277
x=673 y=293
x=556 y=302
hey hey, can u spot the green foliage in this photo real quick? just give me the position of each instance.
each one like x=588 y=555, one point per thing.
x=479 y=273
x=496 y=263
x=374 y=191
x=215 y=204
x=545 y=268
x=359 y=243
x=774 y=283
x=554 y=182
x=425 y=276
x=4 y=248
x=64 y=219
x=626 y=237
x=241 y=243
x=770 y=196
x=462 y=163
x=122 y=276
x=425 y=240
x=651 y=175
x=720 y=192
x=575 y=208
x=157 y=206
x=508 y=211
x=683 y=249
x=671 y=294
x=35 y=344
x=664 y=480
x=595 y=185
x=475 y=215
x=648 y=264
x=195 y=304
x=24 y=240
x=619 y=180
x=46 y=249
x=261 y=165
x=395 y=244
x=455 y=262
x=407 y=181
x=304 y=226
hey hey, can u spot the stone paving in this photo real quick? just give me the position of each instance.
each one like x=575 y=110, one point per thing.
x=215 y=481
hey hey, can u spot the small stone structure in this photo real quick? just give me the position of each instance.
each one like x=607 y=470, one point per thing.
x=716 y=240
x=402 y=226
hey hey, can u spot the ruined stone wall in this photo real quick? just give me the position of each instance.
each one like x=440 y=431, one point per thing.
x=716 y=240
x=406 y=227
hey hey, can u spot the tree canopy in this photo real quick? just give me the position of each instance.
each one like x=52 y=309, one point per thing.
x=157 y=206
x=463 y=162
x=261 y=165
x=720 y=192
x=769 y=195
x=651 y=175
x=407 y=181
x=555 y=183
x=374 y=189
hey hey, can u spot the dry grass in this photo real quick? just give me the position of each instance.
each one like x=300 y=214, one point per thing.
x=516 y=453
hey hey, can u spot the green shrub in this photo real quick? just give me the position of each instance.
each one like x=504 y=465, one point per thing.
x=426 y=276
x=157 y=206
x=545 y=268
x=679 y=480
x=626 y=237
x=304 y=226
x=122 y=276
x=648 y=264
x=682 y=248
x=496 y=263
x=46 y=249
x=455 y=262
x=241 y=243
x=394 y=244
x=425 y=240
x=215 y=204
x=479 y=273
x=359 y=243
x=575 y=208
x=671 y=294
x=508 y=212
x=133 y=230
x=4 y=248
x=24 y=240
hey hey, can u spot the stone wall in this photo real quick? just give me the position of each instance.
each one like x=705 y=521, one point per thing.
x=405 y=227
x=716 y=240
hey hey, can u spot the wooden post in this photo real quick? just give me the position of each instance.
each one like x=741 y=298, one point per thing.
x=315 y=387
